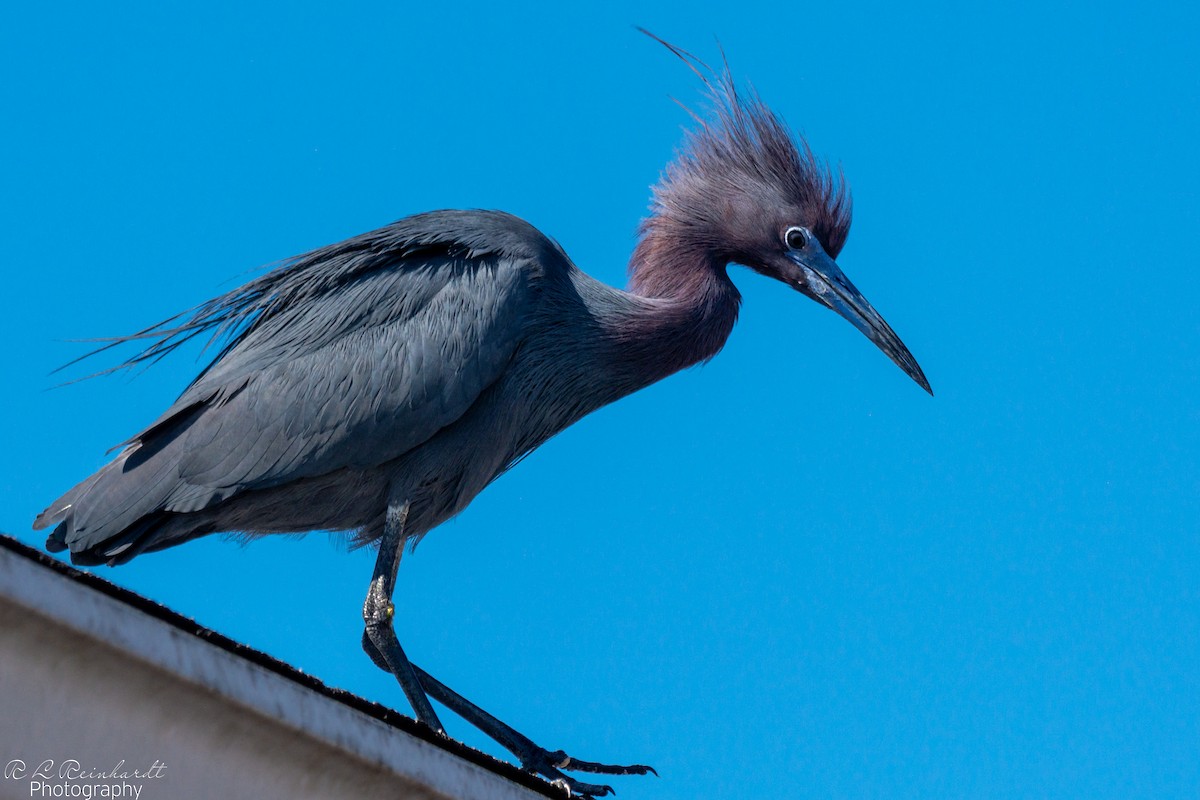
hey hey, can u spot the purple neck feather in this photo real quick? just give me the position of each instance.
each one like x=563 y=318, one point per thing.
x=692 y=303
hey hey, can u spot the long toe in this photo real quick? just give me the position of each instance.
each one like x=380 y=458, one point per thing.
x=585 y=791
x=564 y=761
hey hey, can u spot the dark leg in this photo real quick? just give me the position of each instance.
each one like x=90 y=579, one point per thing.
x=378 y=613
x=536 y=759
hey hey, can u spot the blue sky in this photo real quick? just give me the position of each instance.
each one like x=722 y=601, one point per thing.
x=788 y=573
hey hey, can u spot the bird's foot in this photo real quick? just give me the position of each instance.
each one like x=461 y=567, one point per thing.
x=537 y=760
x=550 y=765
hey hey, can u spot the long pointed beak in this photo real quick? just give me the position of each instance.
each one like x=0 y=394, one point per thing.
x=825 y=283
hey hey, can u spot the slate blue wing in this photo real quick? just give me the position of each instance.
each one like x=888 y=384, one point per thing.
x=348 y=356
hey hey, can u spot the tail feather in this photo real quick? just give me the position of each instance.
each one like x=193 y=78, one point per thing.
x=130 y=504
x=61 y=508
x=132 y=541
x=56 y=542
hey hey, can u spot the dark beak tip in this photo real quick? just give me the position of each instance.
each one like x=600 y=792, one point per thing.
x=918 y=376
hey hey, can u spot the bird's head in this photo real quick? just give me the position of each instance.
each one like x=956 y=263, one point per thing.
x=746 y=190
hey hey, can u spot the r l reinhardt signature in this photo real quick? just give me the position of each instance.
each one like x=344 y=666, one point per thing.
x=71 y=770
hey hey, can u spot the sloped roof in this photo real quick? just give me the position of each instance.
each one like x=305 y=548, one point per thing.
x=248 y=680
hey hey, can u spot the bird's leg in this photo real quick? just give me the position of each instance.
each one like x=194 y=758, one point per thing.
x=379 y=613
x=380 y=643
x=548 y=764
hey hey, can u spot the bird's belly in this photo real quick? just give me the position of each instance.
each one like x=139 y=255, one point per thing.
x=442 y=476
x=341 y=500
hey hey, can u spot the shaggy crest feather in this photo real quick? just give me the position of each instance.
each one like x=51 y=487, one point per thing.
x=745 y=148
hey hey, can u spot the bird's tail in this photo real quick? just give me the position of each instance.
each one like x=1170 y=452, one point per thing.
x=91 y=541
x=126 y=508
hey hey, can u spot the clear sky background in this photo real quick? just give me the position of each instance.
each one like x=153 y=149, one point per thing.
x=789 y=573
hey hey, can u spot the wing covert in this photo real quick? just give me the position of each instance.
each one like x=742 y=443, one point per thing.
x=337 y=384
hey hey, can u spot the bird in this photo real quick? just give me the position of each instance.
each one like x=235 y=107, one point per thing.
x=377 y=385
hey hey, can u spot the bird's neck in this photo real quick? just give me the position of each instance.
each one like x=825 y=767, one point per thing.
x=691 y=305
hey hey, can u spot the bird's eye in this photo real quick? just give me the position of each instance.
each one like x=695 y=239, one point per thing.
x=796 y=238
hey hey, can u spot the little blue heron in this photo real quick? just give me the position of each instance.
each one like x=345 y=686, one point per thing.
x=377 y=385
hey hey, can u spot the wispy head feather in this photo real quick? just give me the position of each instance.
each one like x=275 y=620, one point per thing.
x=742 y=153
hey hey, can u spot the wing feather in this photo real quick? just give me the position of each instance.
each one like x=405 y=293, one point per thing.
x=365 y=396
x=349 y=356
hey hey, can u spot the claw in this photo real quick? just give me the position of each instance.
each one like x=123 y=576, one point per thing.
x=584 y=791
